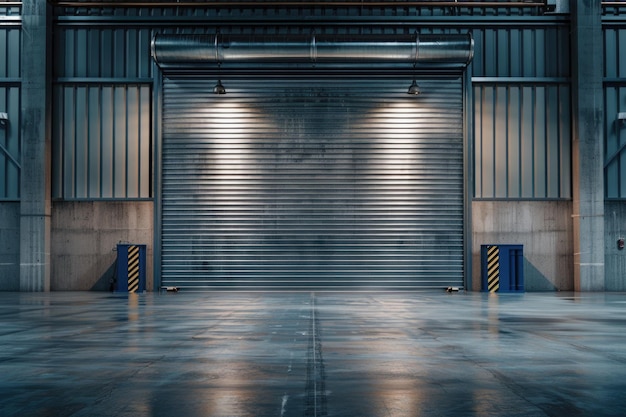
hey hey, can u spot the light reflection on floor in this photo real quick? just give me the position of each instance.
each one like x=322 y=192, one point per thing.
x=303 y=354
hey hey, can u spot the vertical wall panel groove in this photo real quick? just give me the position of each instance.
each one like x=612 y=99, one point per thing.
x=103 y=52
x=614 y=103
x=10 y=150
x=523 y=141
x=10 y=143
x=615 y=142
x=521 y=51
x=103 y=148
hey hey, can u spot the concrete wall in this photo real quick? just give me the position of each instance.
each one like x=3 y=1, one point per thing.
x=615 y=259
x=84 y=236
x=9 y=246
x=545 y=229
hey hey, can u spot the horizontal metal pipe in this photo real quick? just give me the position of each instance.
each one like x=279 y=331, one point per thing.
x=226 y=4
x=168 y=50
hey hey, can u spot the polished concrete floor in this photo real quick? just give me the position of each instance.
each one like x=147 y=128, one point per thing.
x=304 y=354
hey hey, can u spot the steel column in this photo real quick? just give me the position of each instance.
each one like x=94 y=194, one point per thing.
x=35 y=207
x=587 y=147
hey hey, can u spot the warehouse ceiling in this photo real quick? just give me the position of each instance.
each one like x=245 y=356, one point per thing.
x=288 y=3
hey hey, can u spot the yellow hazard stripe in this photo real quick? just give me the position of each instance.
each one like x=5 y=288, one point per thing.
x=493 y=268
x=133 y=268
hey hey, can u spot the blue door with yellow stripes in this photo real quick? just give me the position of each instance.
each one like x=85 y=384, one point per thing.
x=502 y=268
x=131 y=268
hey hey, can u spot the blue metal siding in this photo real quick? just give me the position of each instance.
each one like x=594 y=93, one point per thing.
x=103 y=52
x=615 y=142
x=522 y=141
x=102 y=148
x=614 y=61
x=522 y=112
x=526 y=46
x=10 y=42
x=537 y=51
x=614 y=103
x=10 y=147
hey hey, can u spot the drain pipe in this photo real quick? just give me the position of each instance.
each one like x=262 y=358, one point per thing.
x=176 y=50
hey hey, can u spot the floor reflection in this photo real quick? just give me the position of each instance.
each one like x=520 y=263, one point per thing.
x=304 y=354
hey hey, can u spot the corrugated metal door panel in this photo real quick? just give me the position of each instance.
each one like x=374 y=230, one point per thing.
x=312 y=184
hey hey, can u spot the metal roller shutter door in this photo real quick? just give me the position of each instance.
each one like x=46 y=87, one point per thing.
x=312 y=184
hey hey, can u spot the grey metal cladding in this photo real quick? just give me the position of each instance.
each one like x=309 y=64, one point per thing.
x=615 y=103
x=522 y=141
x=10 y=144
x=102 y=145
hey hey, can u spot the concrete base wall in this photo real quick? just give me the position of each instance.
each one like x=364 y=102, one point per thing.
x=9 y=246
x=614 y=258
x=85 y=236
x=545 y=229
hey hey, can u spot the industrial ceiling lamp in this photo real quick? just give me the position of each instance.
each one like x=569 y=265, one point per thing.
x=414 y=89
x=219 y=88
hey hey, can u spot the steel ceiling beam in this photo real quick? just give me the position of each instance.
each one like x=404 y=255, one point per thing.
x=300 y=4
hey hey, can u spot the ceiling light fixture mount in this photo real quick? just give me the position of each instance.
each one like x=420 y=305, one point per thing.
x=414 y=89
x=219 y=88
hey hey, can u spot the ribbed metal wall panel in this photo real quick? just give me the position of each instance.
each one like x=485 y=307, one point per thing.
x=10 y=144
x=10 y=72
x=615 y=103
x=614 y=57
x=522 y=133
x=615 y=142
x=10 y=9
x=529 y=47
x=312 y=184
x=118 y=52
x=522 y=144
x=518 y=51
x=10 y=52
x=102 y=145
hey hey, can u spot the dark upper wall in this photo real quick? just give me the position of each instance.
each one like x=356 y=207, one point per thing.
x=10 y=60
x=521 y=62
x=102 y=112
x=615 y=102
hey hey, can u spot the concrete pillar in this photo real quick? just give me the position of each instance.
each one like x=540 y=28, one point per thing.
x=35 y=201
x=587 y=146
